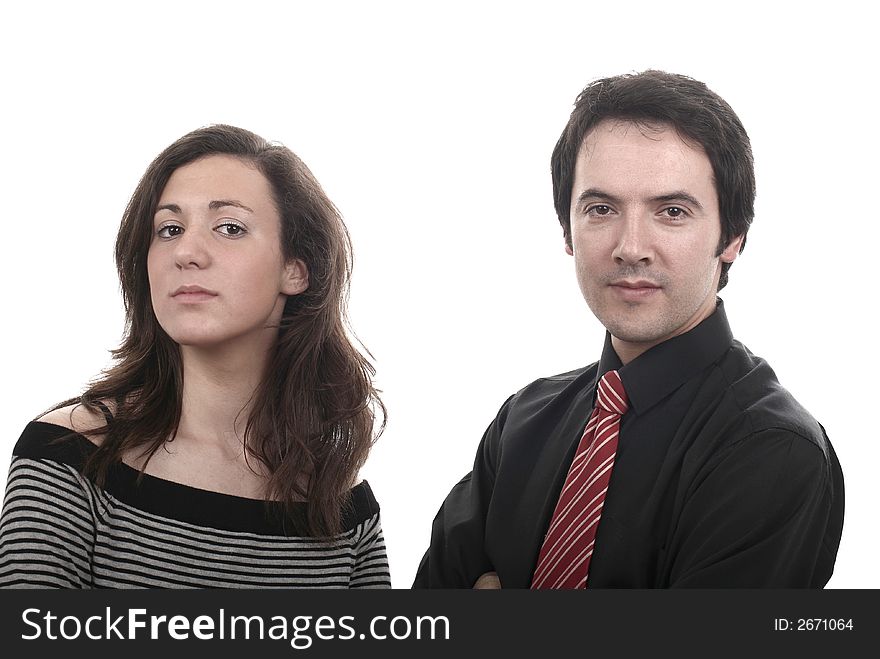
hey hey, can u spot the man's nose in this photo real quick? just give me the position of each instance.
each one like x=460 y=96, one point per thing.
x=634 y=243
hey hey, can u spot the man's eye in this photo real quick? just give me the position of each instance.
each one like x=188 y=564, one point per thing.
x=599 y=209
x=675 y=211
x=169 y=231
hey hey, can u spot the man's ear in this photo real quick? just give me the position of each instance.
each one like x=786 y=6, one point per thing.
x=568 y=249
x=729 y=253
x=296 y=277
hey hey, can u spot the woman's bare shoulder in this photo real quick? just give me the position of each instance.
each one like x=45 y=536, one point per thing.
x=76 y=417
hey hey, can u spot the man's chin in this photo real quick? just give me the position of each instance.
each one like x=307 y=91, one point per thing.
x=637 y=331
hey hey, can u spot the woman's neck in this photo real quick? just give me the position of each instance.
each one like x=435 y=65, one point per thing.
x=218 y=392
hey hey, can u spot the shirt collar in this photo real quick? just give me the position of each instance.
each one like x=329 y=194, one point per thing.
x=659 y=371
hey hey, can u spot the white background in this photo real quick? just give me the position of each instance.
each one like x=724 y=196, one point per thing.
x=431 y=128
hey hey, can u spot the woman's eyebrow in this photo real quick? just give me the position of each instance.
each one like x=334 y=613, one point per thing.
x=220 y=203
x=214 y=205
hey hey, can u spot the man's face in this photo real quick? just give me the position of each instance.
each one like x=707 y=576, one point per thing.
x=645 y=228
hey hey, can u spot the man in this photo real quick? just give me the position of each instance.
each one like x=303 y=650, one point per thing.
x=677 y=460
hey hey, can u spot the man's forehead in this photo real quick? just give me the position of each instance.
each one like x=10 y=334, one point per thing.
x=639 y=159
x=631 y=133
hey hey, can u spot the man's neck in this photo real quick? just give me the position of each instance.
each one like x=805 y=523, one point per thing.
x=629 y=350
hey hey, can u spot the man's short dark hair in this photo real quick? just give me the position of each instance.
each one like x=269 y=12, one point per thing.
x=698 y=114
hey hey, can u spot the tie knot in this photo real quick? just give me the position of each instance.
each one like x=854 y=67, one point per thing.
x=611 y=396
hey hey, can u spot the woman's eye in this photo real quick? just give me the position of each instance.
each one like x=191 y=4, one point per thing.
x=230 y=229
x=169 y=231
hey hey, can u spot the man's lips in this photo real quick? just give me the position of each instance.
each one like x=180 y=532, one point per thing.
x=638 y=284
x=634 y=291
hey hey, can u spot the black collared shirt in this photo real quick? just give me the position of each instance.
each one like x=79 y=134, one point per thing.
x=721 y=478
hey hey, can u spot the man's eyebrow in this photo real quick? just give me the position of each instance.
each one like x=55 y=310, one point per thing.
x=214 y=205
x=596 y=193
x=679 y=195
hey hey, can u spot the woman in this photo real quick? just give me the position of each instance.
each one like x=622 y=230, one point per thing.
x=222 y=447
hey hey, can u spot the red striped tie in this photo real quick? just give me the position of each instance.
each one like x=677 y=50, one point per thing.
x=564 y=560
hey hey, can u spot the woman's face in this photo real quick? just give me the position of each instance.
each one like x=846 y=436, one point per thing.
x=215 y=264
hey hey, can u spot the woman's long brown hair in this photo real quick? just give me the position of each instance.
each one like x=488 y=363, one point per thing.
x=312 y=419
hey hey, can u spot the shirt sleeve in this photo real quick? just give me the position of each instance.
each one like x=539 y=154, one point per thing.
x=457 y=556
x=47 y=527
x=371 y=560
x=759 y=517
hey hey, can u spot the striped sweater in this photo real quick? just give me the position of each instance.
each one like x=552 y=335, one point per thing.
x=59 y=530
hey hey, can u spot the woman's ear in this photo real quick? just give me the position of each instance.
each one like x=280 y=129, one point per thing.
x=296 y=277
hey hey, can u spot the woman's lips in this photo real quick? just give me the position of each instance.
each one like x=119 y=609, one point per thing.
x=194 y=297
x=193 y=294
